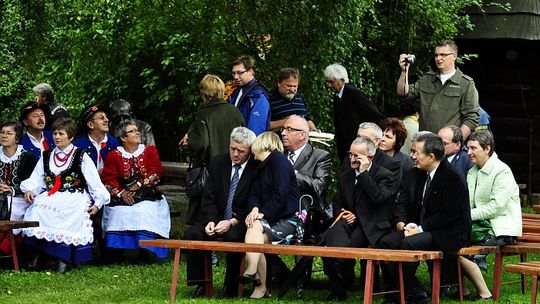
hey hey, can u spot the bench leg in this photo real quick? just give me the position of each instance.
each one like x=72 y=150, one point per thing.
x=174 y=282
x=534 y=288
x=523 y=259
x=460 y=280
x=208 y=286
x=13 y=249
x=497 y=276
x=368 y=286
x=436 y=281
x=401 y=284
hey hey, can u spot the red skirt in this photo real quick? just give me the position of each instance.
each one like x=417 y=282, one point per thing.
x=5 y=243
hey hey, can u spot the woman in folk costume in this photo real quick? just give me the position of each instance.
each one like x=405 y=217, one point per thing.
x=138 y=210
x=63 y=191
x=16 y=165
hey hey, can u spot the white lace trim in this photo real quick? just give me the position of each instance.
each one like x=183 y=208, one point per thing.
x=126 y=154
x=9 y=160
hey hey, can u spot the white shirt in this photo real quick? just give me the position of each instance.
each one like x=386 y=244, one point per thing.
x=445 y=77
x=340 y=93
x=99 y=160
x=37 y=143
x=240 y=170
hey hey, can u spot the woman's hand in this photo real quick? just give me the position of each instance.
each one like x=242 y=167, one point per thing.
x=183 y=141
x=4 y=188
x=127 y=197
x=29 y=197
x=253 y=216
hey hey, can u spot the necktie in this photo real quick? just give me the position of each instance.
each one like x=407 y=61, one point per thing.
x=426 y=189
x=46 y=146
x=291 y=157
x=232 y=190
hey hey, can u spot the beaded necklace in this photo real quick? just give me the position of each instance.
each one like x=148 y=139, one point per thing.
x=62 y=160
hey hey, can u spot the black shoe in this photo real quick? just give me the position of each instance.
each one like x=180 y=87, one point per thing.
x=198 y=292
x=417 y=295
x=250 y=279
x=62 y=267
x=228 y=293
x=451 y=292
x=35 y=263
x=336 y=296
x=480 y=298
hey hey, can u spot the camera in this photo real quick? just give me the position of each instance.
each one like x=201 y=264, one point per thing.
x=410 y=58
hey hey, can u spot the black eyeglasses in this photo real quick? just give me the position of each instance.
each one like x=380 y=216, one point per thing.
x=132 y=131
x=444 y=55
x=290 y=129
x=239 y=73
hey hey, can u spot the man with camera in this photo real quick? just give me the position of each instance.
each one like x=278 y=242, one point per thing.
x=446 y=97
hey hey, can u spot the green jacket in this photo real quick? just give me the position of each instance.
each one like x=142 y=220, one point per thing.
x=455 y=102
x=209 y=134
x=494 y=195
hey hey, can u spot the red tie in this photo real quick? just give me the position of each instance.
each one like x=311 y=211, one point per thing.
x=102 y=146
x=45 y=143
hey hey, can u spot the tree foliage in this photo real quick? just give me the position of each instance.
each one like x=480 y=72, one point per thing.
x=154 y=52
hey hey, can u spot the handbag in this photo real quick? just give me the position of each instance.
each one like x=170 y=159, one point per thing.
x=5 y=207
x=480 y=230
x=196 y=179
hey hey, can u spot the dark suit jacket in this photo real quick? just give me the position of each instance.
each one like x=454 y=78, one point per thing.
x=313 y=168
x=373 y=205
x=275 y=190
x=215 y=195
x=382 y=159
x=461 y=163
x=353 y=108
x=447 y=212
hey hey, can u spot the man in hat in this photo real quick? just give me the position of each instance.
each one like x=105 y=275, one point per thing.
x=36 y=140
x=45 y=96
x=120 y=110
x=95 y=139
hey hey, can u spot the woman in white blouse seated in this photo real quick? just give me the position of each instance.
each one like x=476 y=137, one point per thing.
x=63 y=191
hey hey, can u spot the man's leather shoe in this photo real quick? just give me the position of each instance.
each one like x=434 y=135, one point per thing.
x=198 y=292
x=227 y=293
x=62 y=267
x=35 y=263
x=336 y=296
x=250 y=279
x=417 y=295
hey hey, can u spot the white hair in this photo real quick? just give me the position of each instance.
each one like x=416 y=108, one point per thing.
x=336 y=71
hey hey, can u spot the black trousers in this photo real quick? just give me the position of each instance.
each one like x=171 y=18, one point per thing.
x=340 y=272
x=195 y=259
x=420 y=241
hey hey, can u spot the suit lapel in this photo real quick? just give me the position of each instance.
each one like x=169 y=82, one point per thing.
x=303 y=157
x=348 y=180
x=244 y=179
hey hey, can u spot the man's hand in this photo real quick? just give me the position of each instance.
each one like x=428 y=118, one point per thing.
x=364 y=163
x=210 y=228
x=411 y=229
x=400 y=226
x=403 y=64
x=223 y=226
x=349 y=218
x=93 y=210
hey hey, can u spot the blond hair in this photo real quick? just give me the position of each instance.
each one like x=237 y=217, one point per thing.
x=212 y=87
x=266 y=142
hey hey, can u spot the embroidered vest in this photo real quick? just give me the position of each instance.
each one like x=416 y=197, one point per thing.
x=71 y=178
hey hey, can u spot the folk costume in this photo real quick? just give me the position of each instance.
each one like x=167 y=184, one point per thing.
x=148 y=218
x=66 y=184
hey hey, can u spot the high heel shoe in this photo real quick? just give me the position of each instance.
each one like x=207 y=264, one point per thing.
x=250 y=279
x=264 y=296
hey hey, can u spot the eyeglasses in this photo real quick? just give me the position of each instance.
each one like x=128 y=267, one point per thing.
x=443 y=55
x=239 y=73
x=353 y=155
x=100 y=117
x=10 y=133
x=132 y=131
x=290 y=129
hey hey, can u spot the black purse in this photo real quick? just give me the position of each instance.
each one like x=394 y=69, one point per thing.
x=196 y=179
x=5 y=207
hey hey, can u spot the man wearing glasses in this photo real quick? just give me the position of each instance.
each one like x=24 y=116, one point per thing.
x=250 y=96
x=446 y=97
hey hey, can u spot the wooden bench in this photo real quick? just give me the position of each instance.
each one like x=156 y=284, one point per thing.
x=531 y=268
x=369 y=254
x=470 y=251
x=7 y=227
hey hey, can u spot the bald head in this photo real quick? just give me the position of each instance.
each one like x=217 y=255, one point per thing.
x=295 y=132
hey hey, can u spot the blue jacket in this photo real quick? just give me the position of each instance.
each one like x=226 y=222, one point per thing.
x=29 y=146
x=275 y=189
x=254 y=106
x=461 y=163
x=86 y=145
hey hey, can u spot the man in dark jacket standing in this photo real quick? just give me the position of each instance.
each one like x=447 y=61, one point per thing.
x=351 y=107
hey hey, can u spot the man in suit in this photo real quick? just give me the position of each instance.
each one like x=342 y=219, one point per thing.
x=224 y=206
x=362 y=208
x=351 y=107
x=454 y=151
x=431 y=213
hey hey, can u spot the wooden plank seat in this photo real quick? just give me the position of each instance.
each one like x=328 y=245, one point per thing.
x=470 y=251
x=370 y=254
x=7 y=227
x=527 y=268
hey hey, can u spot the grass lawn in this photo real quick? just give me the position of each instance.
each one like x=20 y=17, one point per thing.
x=150 y=284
